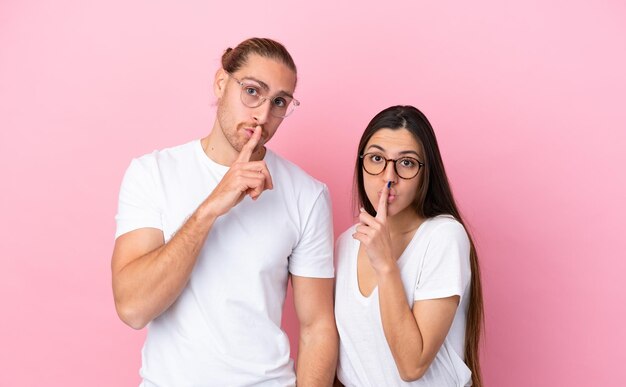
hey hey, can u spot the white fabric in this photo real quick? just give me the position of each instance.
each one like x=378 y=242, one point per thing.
x=224 y=328
x=435 y=264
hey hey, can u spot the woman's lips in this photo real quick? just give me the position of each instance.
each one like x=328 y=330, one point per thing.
x=392 y=196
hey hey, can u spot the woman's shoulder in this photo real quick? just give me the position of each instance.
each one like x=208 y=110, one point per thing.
x=445 y=226
x=345 y=247
x=346 y=236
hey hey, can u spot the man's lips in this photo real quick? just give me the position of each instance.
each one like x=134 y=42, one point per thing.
x=249 y=130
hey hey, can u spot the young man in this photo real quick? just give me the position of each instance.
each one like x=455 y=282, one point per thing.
x=208 y=234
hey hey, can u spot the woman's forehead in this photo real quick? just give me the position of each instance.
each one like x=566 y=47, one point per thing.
x=394 y=140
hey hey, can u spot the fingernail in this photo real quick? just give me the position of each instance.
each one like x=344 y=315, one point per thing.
x=362 y=209
x=389 y=184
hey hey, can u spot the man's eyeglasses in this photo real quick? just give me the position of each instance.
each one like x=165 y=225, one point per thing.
x=281 y=106
x=405 y=167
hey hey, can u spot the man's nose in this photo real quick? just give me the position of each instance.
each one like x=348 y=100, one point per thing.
x=261 y=113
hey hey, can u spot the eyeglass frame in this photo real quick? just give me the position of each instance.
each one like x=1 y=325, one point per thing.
x=294 y=101
x=395 y=167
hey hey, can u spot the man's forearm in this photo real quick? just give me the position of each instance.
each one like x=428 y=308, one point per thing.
x=148 y=285
x=317 y=355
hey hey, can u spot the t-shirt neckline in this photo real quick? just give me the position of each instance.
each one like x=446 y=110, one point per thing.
x=206 y=160
x=401 y=262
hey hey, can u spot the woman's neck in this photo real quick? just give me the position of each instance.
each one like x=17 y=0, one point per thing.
x=403 y=222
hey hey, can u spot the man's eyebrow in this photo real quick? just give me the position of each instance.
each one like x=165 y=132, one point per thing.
x=266 y=87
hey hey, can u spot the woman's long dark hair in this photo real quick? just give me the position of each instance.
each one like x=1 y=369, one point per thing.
x=434 y=197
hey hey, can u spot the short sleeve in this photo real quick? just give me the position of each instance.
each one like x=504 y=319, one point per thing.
x=138 y=204
x=446 y=269
x=313 y=255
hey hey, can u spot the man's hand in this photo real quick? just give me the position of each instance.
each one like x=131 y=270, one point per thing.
x=244 y=177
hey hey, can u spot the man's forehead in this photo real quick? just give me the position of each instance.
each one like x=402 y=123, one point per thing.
x=256 y=80
x=269 y=73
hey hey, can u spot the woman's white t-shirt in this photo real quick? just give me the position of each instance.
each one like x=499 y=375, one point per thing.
x=435 y=264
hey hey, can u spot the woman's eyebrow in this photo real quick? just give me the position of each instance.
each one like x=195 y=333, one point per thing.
x=404 y=152
x=409 y=152
x=376 y=146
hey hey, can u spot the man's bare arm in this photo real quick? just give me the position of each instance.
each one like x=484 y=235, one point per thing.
x=148 y=274
x=318 y=346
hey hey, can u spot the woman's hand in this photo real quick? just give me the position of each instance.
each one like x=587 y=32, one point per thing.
x=373 y=234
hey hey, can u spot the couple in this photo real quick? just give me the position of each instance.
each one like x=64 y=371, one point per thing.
x=209 y=233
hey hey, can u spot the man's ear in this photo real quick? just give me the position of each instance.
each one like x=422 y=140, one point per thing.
x=219 y=83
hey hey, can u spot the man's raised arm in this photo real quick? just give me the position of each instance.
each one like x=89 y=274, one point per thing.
x=149 y=274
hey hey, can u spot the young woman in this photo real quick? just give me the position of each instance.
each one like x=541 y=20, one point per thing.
x=408 y=296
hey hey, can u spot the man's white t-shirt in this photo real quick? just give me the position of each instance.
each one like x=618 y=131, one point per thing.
x=435 y=264
x=224 y=328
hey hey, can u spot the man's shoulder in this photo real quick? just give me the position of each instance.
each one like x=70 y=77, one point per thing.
x=174 y=153
x=182 y=150
x=288 y=170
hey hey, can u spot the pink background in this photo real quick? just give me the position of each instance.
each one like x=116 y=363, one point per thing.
x=527 y=99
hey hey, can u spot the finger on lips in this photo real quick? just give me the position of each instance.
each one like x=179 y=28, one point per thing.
x=381 y=211
x=246 y=153
x=248 y=148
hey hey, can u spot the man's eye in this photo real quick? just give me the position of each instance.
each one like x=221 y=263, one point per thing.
x=280 y=102
x=251 y=91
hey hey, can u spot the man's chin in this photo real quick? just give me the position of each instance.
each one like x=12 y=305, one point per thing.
x=257 y=149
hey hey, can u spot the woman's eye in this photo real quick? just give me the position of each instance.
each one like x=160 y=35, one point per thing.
x=407 y=163
x=376 y=158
